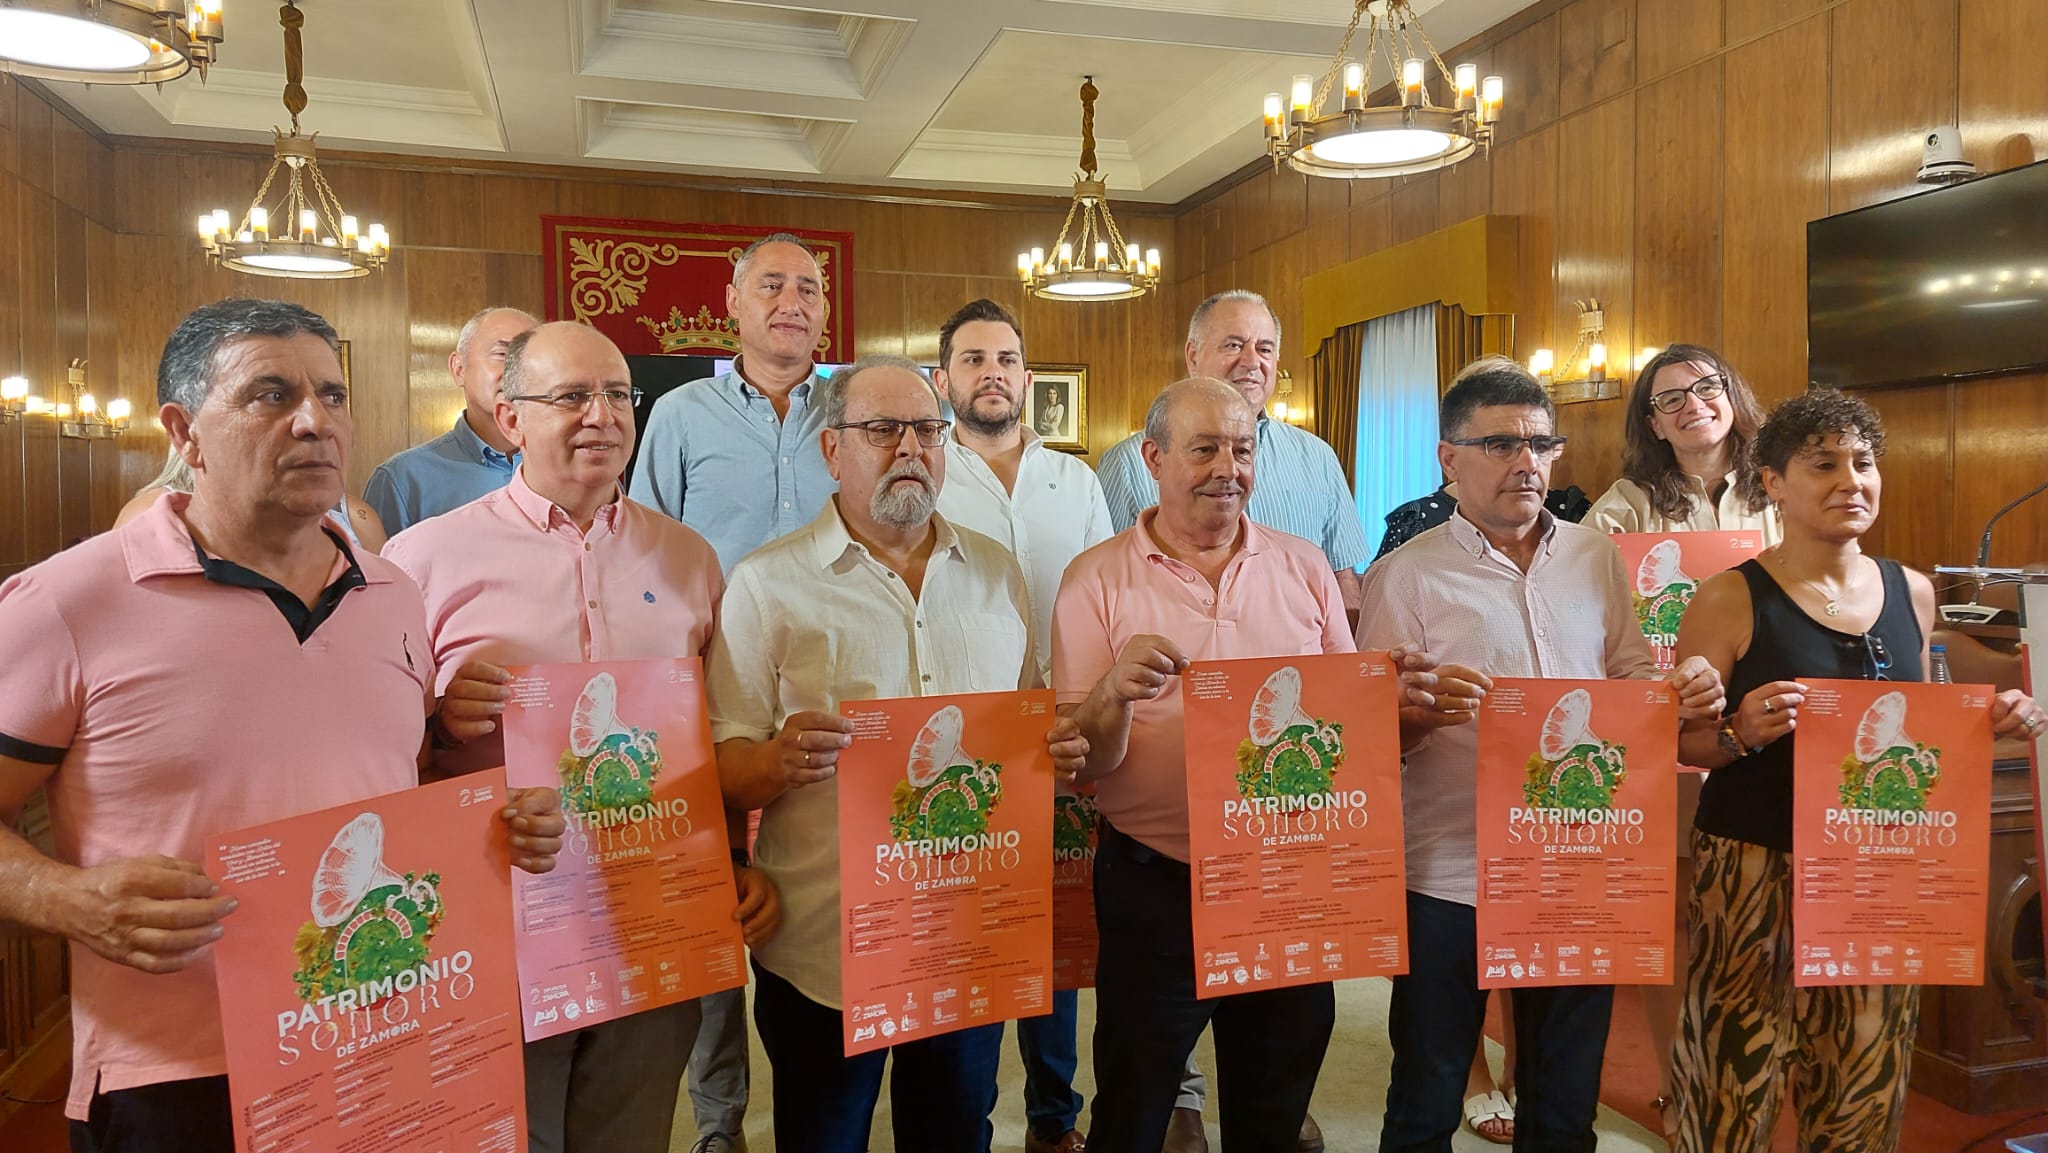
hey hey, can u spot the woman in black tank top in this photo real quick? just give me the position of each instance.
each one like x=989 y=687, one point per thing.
x=1813 y=607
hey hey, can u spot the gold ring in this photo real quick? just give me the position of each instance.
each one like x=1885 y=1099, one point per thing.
x=807 y=758
x=1769 y=707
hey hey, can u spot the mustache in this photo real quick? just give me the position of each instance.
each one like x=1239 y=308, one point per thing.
x=908 y=507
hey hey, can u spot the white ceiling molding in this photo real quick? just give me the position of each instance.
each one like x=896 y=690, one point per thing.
x=735 y=45
x=708 y=138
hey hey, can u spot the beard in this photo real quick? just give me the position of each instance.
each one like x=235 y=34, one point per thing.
x=908 y=505
x=982 y=425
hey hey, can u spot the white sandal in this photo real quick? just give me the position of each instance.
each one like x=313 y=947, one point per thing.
x=1490 y=1108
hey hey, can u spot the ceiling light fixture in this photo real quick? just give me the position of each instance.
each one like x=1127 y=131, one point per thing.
x=1097 y=264
x=108 y=41
x=1355 y=141
x=306 y=235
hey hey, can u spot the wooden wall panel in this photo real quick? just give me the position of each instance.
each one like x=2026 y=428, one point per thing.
x=2003 y=94
x=1465 y=190
x=1774 y=180
x=1914 y=515
x=1674 y=33
x=1678 y=209
x=1372 y=223
x=1527 y=65
x=1748 y=19
x=1525 y=186
x=1891 y=77
x=2001 y=448
x=1414 y=208
x=1595 y=220
x=1596 y=52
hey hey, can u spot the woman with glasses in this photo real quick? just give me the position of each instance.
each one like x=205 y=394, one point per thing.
x=1813 y=606
x=1685 y=468
x=1685 y=458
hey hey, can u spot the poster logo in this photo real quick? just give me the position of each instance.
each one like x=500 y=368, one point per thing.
x=946 y=792
x=609 y=764
x=1662 y=592
x=1287 y=753
x=1074 y=818
x=1572 y=768
x=1888 y=770
x=369 y=923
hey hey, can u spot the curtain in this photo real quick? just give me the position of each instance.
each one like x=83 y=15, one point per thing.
x=1462 y=338
x=1333 y=391
x=1394 y=456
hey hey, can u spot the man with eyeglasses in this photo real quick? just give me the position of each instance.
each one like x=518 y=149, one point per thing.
x=473 y=457
x=559 y=567
x=1507 y=589
x=878 y=597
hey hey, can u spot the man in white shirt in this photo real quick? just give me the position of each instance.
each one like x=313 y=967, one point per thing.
x=878 y=597
x=1045 y=507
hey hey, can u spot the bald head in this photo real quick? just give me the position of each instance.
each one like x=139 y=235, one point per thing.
x=1195 y=392
x=1199 y=440
x=478 y=362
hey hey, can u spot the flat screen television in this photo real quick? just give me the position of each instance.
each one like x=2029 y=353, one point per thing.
x=1944 y=284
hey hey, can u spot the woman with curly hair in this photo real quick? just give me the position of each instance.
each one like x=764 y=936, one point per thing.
x=1814 y=606
x=1685 y=463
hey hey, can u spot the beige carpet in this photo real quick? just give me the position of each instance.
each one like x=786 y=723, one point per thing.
x=1348 y=1102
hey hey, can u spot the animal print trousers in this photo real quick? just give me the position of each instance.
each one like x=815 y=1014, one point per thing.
x=1746 y=1034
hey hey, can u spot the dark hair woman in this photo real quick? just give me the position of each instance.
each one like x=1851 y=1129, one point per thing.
x=1685 y=462
x=1814 y=606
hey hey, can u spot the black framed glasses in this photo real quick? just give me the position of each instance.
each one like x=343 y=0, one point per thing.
x=889 y=433
x=1673 y=399
x=578 y=399
x=1510 y=447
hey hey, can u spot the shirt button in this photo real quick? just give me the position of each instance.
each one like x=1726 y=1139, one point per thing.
x=593 y=604
x=920 y=624
x=586 y=546
x=927 y=677
x=785 y=504
x=1542 y=633
x=785 y=460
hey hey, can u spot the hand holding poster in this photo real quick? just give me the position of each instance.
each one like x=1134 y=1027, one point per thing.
x=945 y=865
x=1075 y=826
x=1578 y=807
x=638 y=911
x=388 y=1018
x=1666 y=568
x=1294 y=821
x=1891 y=833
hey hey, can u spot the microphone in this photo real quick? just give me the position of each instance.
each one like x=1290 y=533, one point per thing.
x=1984 y=548
x=1977 y=612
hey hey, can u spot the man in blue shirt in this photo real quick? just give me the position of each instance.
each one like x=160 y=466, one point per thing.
x=1235 y=338
x=737 y=457
x=470 y=459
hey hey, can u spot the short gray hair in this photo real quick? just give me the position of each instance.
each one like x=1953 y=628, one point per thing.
x=1233 y=296
x=470 y=326
x=1490 y=382
x=1158 y=417
x=841 y=382
x=746 y=256
x=184 y=374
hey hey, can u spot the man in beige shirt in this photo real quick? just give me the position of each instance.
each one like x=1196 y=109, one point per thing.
x=878 y=597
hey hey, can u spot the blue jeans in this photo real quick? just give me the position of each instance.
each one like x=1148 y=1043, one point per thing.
x=1435 y=1021
x=941 y=1090
x=1051 y=1107
x=1269 y=1044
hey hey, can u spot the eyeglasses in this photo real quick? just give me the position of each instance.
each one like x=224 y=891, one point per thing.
x=1673 y=399
x=889 y=433
x=1510 y=447
x=578 y=399
x=1876 y=661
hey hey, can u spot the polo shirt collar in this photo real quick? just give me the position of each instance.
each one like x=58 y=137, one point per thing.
x=1473 y=541
x=833 y=541
x=746 y=390
x=158 y=543
x=473 y=446
x=545 y=514
x=1254 y=538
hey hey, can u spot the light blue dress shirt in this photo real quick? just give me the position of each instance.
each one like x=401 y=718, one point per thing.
x=714 y=456
x=1297 y=488
x=428 y=479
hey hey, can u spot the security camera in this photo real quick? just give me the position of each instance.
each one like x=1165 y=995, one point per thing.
x=1941 y=158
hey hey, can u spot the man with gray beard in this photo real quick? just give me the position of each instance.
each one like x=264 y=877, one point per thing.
x=878 y=597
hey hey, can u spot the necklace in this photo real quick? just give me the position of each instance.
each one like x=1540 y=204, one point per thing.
x=1833 y=607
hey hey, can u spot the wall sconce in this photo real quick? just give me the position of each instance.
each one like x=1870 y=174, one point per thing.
x=1283 y=391
x=82 y=418
x=13 y=398
x=1557 y=378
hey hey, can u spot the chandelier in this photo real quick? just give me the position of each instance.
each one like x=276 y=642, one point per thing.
x=306 y=234
x=108 y=41
x=1107 y=268
x=1356 y=141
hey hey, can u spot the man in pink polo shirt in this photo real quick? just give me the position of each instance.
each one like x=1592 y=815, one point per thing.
x=558 y=566
x=1194 y=578
x=223 y=660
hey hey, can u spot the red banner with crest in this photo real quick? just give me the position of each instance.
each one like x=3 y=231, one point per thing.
x=656 y=287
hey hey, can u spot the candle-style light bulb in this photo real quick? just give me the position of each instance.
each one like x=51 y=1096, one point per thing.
x=1354 y=84
x=1411 y=81
x=1024 y=266
x=1132 y=257
x=309 y=222
x=1066 y=257
x=13 y=388
x=1542 y=362
x=1490 y=93
x=1102 y=254
x=1152 y=260
x=259 y=222
x=1301 y=95
x=348 y=232
x=206 y=229
x=119 y=410
x=1466 y=80
x=1276 y=117
x=87 y=404
x=1037 y=257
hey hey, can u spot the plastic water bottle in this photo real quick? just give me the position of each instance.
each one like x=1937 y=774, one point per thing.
x=1937 y=664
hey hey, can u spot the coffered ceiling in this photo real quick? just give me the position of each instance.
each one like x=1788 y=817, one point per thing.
x=965 y=94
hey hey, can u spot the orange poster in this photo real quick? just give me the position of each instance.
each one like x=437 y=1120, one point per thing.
x=1294 y=821
x=1578 y=833
x=1664 y=569
x=1891 y=833
x=1075 y=824
x=945 y=865
x=366 y=984
x=638 y=911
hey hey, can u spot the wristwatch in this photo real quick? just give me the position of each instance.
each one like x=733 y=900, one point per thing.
x=1730 y=742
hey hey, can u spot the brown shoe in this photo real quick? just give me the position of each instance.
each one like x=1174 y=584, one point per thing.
x=1184 y=1133
x=1311 y=1139
x=1073 y=1142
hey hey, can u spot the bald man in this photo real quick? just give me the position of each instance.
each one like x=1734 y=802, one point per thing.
x=470 y=459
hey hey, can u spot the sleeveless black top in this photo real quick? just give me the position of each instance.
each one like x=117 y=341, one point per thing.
x=1751 y=799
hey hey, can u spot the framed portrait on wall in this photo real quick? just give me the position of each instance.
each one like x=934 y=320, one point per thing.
x=1056 y=406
